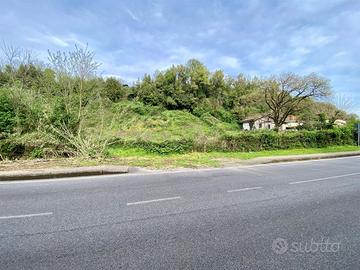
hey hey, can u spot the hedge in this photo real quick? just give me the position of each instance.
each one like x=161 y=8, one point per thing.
x=249 y=141
x=258 y=141
x=240 y=141
x=164 y=147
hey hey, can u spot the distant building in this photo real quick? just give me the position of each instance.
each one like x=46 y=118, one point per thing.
x=339 y=122
x=264 y=122
x=258 y=122
x=291 y=123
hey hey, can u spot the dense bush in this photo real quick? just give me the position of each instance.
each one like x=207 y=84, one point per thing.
x=10 y=149
x=114 y=90
x=258 y=141
x=7 y=113
x=165 y=147
x=249 y=141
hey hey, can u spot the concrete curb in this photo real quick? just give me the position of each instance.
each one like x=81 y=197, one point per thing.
x=61 y=173
x=111 y=169
x=267 y=160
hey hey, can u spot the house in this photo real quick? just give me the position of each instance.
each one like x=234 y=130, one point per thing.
x=339 y=122
x=258 y=122
x=265 y=122
x=291 y=123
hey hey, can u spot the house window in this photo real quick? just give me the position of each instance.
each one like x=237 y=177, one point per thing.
x=260 y=125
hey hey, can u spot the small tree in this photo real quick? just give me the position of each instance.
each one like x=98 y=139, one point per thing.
x=79 y=64
x=11 y=58
x=114 y=90
x=73 y=71
x=284 y=94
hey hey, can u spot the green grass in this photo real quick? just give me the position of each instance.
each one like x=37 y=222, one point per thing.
x=138 y=157
x=136 y=121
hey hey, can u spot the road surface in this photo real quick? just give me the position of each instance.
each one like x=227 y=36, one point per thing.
x=302 y=215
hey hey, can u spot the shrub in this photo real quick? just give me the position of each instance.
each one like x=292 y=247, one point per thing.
x=7 y=113
x=137 y=107
x=61 y=117
x=258 y=141
x=164 y=147
x=114 y=90
x=11 y=150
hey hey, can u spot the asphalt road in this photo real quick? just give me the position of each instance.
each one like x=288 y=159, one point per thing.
x=303 y=215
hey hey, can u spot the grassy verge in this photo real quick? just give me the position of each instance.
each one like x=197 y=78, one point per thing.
x=136 y=157
x=140 y=158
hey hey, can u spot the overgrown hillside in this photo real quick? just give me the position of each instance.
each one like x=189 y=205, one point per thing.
x=65 y=109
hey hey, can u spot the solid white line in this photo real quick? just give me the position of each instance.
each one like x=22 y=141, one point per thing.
x=27 y=216
x=323 y=179
x=151 y=201
x=244 y=189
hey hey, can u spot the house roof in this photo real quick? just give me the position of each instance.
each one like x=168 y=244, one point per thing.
x=254 y=118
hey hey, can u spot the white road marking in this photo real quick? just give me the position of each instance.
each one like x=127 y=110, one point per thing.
x=27 y=216
x=244 y=189
x=323 y=179
x=151 y=201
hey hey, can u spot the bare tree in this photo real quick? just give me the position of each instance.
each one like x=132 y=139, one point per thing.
x=11 y=55
x=14 y=57
x=84 y=66
x=284 y=94
x=79 y=64
x=343 y=102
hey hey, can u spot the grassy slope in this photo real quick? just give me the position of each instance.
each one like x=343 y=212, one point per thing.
x=131 y=120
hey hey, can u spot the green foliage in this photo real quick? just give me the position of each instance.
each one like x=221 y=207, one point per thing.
x=61 y=117
x=114 y=90
x=164 y=147
x=7 y=112
x=67 y=110
x=11 y=149
x=37 y=153
x=259 y=141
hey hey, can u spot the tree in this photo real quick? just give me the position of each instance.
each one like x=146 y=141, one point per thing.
x=7 y=113
x=114 y=89
x=199 y=84
x=284 y=94
x=14 y=57
x=79 y=64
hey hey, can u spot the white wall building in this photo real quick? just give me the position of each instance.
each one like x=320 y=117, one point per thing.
x=265 y=122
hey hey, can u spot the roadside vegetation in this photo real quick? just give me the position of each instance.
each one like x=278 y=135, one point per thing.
x=184 y=115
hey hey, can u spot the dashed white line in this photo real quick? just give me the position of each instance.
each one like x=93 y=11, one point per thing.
x=323 y=179
x=27 y=216
x=151 y=201
x=244 y=189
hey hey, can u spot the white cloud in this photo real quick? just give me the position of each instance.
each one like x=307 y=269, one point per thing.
x=132 y=15
x=317 y=5
x=55 y=40
x=229 y=61
x=181 y=54
x=310 y=37
x=270 y=61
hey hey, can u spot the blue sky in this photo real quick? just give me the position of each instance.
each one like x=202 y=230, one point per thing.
x=253 y=37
